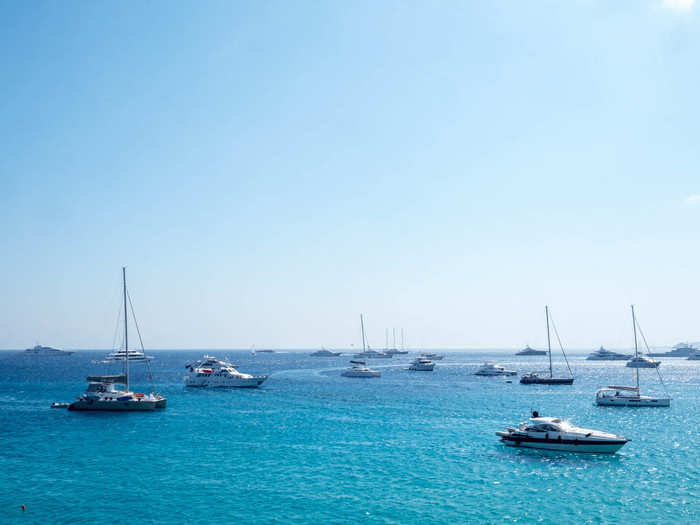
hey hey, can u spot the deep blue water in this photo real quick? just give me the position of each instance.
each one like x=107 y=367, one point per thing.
x=311 y=446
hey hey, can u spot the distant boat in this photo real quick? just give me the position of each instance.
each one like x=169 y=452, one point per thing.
x=120 y=355
x=394 y=349
x=367 y=352
x=629 y=396
x=266 y=351
x=325 y=353
x=491 y=369
x=531 y=351
x=45 y=351
x=679 y=350
x=421 y=364
x=538 y=378
x=606 y=355
x=217 y=373
x=642 y=361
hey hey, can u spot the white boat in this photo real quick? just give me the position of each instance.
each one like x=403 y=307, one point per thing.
x=421 y=364
x=211 y=372
x=120 y=355
x=394 y=349
x=324 y=353
x=679 y=350
x=642 y=361
x=606 y=355
x=360 y=369
x=112 y=393
x=550 y=433
x=541 y=378
x=629 y=396
x=491 y=369
x=531 y=351
x=433 y=357
x=46 y=351
x=695 y=356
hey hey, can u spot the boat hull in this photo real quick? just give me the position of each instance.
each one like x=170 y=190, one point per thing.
x=633 y=402
x=547 y=380
x=576 y=446
x=361 y=374
x=216 y=382
x=113 y=406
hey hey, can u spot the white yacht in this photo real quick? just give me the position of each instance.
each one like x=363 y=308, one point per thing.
x=679 y=350
x=120 y=355
x=45 y=351
x=629 y=396
x=551 y=433
x=606 y=355
x=104 y=392
x=642 y=361
x=324 y=353
x=211 y=372
x=531 y=351
x=421 y=364
x=360 y=369
x=491 y=369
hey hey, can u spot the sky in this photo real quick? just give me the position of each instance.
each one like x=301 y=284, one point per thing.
x=267 y=171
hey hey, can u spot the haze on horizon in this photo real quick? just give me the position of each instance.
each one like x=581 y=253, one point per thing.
x=267 y=171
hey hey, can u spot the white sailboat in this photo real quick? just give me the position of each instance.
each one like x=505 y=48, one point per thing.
x=538 y=378
x=630 y=396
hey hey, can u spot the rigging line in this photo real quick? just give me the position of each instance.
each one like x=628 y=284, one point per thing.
x=138 y=331
x=561 y=346
x=116 y=327
x=649 y=352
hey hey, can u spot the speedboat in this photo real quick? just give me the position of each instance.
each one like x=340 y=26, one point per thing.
x=606 y=355
x=553 y=433
x=359 y=369
x=45 y=351
x=642 y=361
x=324 y=353
x=421 y=364
x=531 y=351
x=491 y=369
x=627 y=396
x=216 y=373
x=103 y=394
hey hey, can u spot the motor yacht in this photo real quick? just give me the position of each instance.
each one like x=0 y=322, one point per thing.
x=120 y=355
x=211 y=372
x=531 y=351
x=627 y=396
x=642 y=361
x=324 y=353
x=491 y=369
x=551 y=433
x=360 y=369
x=679 y=350
x=45 y=351
x=606 y=355
x=421 y=364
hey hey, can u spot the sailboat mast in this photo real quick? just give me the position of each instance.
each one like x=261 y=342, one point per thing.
x=549 y=343
x=394 y=330
x=126 y=332
x=362 y=324
x=636 y=352
x=403 y=346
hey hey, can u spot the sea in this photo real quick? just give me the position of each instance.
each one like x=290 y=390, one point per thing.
x=310 y=446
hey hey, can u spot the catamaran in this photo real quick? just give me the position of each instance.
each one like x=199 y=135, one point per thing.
x=629 y=396
x=104 y=392
x=538 y=378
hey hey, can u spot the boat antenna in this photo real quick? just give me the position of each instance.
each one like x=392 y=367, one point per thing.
x=561 y=346
x=126 y=332
x=362 y=325
x=549 y=344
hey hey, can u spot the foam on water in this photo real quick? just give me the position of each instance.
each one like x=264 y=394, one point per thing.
x=311 y=446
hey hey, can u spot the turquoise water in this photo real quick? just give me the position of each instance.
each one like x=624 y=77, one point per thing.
x=311 y=446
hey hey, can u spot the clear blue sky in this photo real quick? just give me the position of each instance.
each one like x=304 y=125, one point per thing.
x=269 y=170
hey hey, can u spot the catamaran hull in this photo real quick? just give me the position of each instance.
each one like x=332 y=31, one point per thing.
x=114 y=406
x=582 y=447
x=633 y=402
